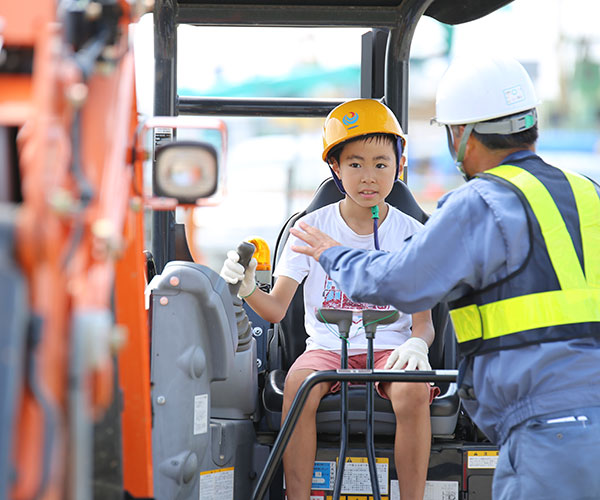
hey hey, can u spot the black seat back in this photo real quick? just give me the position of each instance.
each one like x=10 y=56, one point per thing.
x=292 y=333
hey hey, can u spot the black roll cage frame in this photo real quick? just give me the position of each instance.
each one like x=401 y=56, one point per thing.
x=388 y=72
x=401 y=22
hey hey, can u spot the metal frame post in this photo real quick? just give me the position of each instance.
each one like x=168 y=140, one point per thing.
x=165 y=104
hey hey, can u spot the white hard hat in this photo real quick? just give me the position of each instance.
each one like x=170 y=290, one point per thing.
x=476 y=89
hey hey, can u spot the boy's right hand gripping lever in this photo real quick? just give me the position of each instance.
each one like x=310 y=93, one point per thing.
x=239 y=270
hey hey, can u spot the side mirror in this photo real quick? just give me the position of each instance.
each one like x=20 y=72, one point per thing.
x=186 y=171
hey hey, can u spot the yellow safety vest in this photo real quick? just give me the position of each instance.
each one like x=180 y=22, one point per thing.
x=578 y=298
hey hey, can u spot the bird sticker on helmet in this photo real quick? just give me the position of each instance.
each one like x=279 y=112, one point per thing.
x=350 y=120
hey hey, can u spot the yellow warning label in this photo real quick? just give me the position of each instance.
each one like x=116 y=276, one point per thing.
x=483 y=453
x=482 y=459
x=365 y=460
x=216 y=470
x=217 y=484
x=352 y=497
x=357 y=478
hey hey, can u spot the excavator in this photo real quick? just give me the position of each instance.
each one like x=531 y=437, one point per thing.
x=127 y=369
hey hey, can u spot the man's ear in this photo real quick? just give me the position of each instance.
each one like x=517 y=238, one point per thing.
x=401 y=166
x=471 y=145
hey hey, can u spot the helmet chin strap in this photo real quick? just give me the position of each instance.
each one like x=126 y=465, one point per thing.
x=462 y=146
x=374 y=209
x=511 y=125
x=337 y=180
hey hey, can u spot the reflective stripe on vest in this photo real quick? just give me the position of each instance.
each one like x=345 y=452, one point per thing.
x=578 y=300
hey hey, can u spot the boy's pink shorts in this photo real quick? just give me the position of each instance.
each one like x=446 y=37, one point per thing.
x=320 y=359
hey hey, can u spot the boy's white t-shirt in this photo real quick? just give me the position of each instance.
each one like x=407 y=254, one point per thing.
x=321 y=292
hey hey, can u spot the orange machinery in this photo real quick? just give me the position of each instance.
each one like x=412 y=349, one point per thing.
x=72 y=198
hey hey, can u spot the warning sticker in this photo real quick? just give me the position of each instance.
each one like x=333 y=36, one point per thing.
x=514 y=95
x=434 y=490
x=200 y=414
x=162 y=135
x=482 y=459
x=357 y=479
x=323 y=476
x=355 y=497
x=216 y=484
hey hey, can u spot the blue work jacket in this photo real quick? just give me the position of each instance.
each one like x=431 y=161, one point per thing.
x=478 y=236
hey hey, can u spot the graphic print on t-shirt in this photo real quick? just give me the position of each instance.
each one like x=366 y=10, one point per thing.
x=334 y=298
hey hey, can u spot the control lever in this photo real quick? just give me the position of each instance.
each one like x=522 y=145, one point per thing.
x=245 y=250
x=343 y=320
x=371 y=319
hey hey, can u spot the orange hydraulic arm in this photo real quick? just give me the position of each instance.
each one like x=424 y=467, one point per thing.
x=79 y=243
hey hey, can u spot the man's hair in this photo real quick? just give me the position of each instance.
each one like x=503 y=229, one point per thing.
x=523 y=139
x=336 y=151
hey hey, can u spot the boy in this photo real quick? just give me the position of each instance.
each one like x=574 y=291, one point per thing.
x=363 y=145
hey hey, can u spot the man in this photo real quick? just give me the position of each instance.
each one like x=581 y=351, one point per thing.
x=516 y=254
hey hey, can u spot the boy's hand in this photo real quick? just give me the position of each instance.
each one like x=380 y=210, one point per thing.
x=232 y=272
x=317 y=241
x=412 y=355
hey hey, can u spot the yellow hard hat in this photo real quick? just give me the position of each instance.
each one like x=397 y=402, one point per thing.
x=359 y=117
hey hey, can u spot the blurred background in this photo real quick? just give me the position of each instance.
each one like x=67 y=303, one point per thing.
x=273 y=165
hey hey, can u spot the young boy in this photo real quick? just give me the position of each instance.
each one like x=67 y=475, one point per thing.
x=363 y=145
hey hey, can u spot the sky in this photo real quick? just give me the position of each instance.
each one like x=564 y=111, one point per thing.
x=529 y=30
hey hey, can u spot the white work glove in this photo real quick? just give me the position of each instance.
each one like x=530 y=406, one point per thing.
x=232 y=272
x=412 y=355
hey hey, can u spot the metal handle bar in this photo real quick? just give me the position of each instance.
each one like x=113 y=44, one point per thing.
x=335 y=376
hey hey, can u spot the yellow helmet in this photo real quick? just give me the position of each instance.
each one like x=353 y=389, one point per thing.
x=359 y=117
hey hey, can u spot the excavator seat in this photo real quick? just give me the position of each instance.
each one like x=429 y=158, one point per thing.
x=289 y=336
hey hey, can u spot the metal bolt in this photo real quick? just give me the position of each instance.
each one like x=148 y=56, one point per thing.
x=257 y=331
x=164 y=301
x=93 y=11
x=62 y=202
x=117 y=339
x=77 y=94
x=107 y=243
x=174 y=281
x=110 y=53
x=136 y=203
x=161 y=400
x=103 y=229
x=105 y=67
x=258 y=362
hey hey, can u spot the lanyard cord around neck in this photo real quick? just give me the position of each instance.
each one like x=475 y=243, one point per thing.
x=375 y=217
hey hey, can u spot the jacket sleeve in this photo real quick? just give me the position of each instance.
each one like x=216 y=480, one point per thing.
x=461 y=248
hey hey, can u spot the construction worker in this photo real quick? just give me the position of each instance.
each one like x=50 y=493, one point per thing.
x=516 y=254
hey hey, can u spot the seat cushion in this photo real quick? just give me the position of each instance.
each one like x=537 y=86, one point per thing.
x=443 y=410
